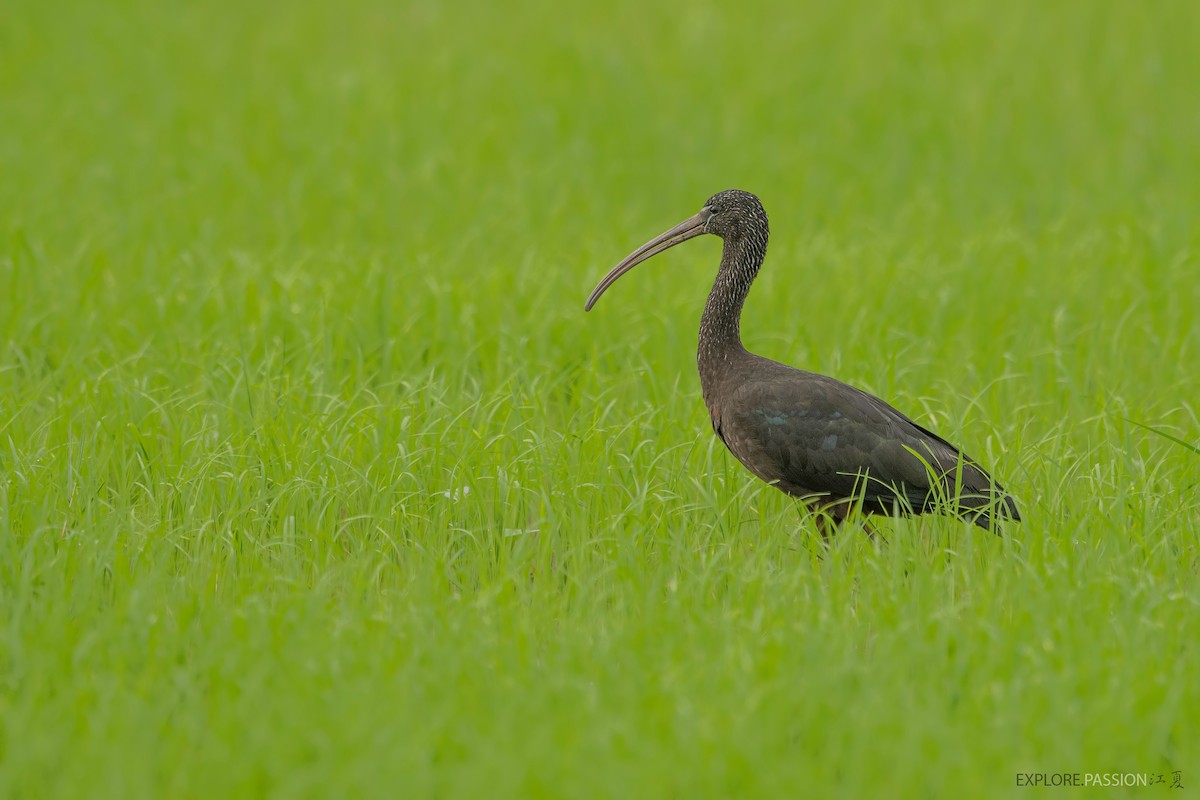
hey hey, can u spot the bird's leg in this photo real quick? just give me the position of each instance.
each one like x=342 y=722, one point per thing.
x=826 y=525
x=840 y=512
x=830 y=518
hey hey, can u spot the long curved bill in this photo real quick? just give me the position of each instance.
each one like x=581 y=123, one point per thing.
x=689 y=228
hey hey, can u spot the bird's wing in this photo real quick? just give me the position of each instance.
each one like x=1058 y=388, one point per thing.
x=813 y=434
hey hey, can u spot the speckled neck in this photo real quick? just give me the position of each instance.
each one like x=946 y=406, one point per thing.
x=720 y=324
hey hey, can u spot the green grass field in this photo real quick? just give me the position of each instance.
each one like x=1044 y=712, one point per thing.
x=316 y=481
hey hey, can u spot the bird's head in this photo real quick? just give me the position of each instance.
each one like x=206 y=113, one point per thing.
x=733 y=215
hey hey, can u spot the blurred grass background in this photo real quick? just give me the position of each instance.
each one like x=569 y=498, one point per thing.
x=316 y=479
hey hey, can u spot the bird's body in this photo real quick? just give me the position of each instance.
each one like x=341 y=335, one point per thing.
x=809 y=435
x=814 y=437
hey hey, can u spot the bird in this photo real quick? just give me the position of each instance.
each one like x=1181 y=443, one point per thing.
x=825 y=442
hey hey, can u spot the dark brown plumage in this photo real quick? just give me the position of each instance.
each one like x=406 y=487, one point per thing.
x=813 y=437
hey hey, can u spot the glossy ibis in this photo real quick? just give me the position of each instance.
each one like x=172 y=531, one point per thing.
x=813 y=437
